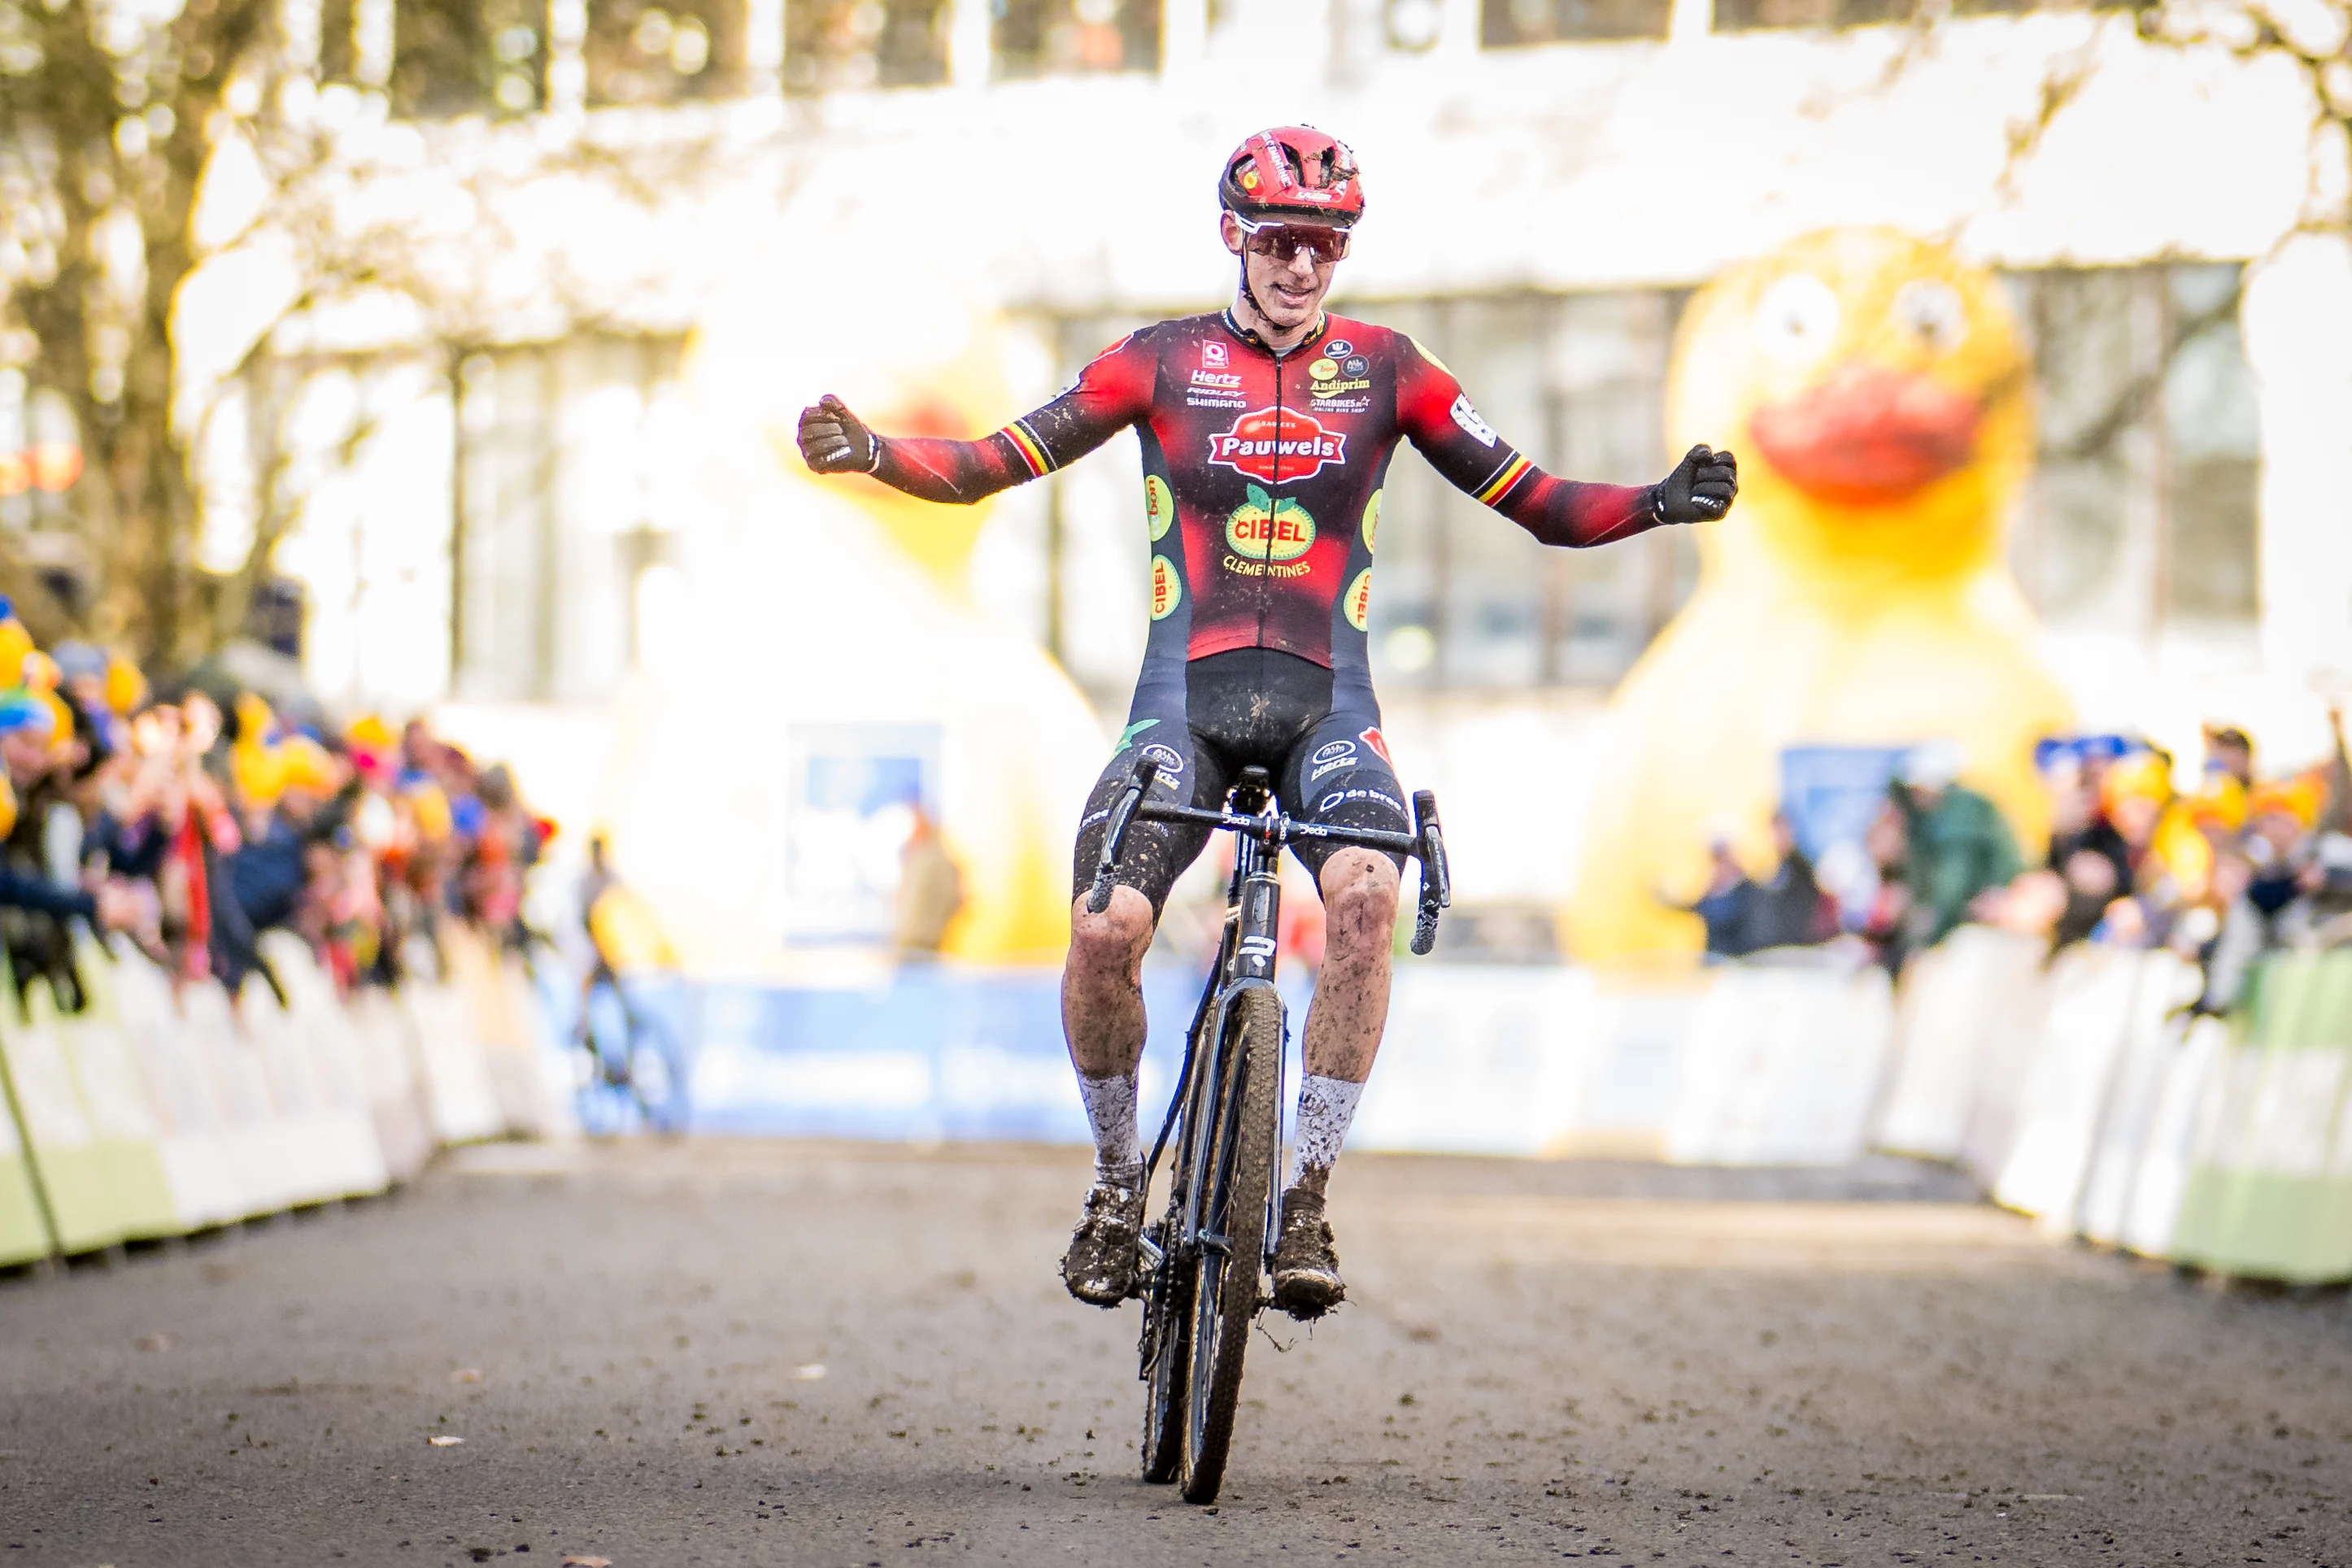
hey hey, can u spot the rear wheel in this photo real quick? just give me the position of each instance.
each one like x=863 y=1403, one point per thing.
x=1244 y=1126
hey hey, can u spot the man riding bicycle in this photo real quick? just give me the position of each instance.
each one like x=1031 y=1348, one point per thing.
x=1267 y=431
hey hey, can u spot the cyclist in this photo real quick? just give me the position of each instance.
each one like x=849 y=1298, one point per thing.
x=1267 y=431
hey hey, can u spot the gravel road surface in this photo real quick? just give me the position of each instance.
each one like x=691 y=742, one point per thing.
x=722 y=1353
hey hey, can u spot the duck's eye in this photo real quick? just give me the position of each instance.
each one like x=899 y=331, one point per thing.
x=1797 y=318
x=1933 y=313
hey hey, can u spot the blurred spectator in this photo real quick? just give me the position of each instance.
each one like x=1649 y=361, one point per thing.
x=2228 y=754
x=1882 y=922
x=2089 y=856
x=1956 y=848
x=1723 y=908
x=931 y=889
x=194 y=830
x=1788 y=909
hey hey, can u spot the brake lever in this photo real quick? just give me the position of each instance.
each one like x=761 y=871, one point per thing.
x=1436 y=880
x=1122 y=816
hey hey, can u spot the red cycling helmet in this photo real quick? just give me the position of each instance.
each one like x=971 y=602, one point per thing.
x=1293 y=172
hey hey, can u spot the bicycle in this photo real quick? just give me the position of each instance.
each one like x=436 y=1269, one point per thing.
x=642 y=1063
x=632 y=1057
x=1205 y=1259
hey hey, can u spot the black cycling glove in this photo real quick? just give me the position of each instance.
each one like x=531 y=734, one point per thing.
x=1701 y=487
x=834 y=441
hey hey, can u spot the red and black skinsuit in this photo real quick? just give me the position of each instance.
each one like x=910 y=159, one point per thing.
x=1262 y=482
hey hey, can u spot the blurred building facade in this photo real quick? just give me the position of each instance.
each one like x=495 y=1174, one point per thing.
x=487 y=483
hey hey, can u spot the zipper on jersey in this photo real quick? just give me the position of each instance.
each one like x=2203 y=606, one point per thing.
x=1274 y=503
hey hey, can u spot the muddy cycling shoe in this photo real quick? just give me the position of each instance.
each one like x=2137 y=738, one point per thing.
x=1306 y=1281
x=1099 y=1268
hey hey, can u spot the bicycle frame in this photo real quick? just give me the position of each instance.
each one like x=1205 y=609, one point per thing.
x=1245 y=959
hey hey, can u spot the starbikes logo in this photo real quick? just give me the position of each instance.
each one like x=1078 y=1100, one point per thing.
x=1271 y=444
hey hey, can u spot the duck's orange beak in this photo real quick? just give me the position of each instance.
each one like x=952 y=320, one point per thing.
x=1865 y=435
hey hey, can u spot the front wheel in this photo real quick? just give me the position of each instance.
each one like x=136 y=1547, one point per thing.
x=1167 y=1342
x=1244 y=1126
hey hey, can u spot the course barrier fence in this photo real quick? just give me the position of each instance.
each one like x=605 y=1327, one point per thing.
x=2087 y=1094
x=2081 y=1090
x=159 y=1109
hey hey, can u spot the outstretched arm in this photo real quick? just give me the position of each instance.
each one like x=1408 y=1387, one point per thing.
x=1437 y=414
x=1110 y=393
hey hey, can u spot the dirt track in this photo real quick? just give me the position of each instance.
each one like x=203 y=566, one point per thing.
x=1539 y=1360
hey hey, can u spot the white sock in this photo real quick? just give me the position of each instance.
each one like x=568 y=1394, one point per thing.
x=1326 y=1106
x=1110 y=1111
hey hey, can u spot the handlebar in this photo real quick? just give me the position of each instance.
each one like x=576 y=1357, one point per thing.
x=1425 y=843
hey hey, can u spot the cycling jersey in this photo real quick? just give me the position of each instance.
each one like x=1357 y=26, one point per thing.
x=1262 y=475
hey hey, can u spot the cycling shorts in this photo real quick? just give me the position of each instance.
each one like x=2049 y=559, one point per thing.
x=1203 y=722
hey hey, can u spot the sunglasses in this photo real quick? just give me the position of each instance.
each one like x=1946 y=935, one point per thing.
x=1284 y=241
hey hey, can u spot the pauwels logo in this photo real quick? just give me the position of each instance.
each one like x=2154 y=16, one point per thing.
x=1268 y=443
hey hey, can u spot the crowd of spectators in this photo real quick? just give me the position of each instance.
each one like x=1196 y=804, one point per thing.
x=2219 y=874
x=193 y=818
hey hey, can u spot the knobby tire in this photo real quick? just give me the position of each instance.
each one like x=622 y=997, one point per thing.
x=1170 y=1306
x=1226 y=1290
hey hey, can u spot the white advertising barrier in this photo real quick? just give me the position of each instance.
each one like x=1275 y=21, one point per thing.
x=2154 y=1033
x=2101 y=1002
x=2190 y=1082
x=24 y=1223
x=1479 y=1060
x=57 y=1135
x=1742 y=1064
x=264 y=1146
x=194 y=1128
x=137 y=1193
x=2012 y=1018
x=534 y=1093
x=355 y=1161
x=1948 y=1042
x=463 y=1101
x=320 y=1092
x=306 y=1125
x=396 y=1087
x=1779 y=1067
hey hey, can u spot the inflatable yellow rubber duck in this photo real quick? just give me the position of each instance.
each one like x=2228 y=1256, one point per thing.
x=1878 y=397
x=847 y=607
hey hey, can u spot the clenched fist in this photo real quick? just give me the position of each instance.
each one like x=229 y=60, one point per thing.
x=1700 y=490
x=834 y=441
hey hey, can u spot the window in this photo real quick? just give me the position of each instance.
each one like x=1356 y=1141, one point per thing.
x=1067 y=37
x=2141 y=514
x=835 y=44
x=563 y=506
x=1464 y=598
x=665 y=53
x=452 y=57
x=1505 y=23
x=1740 y=16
